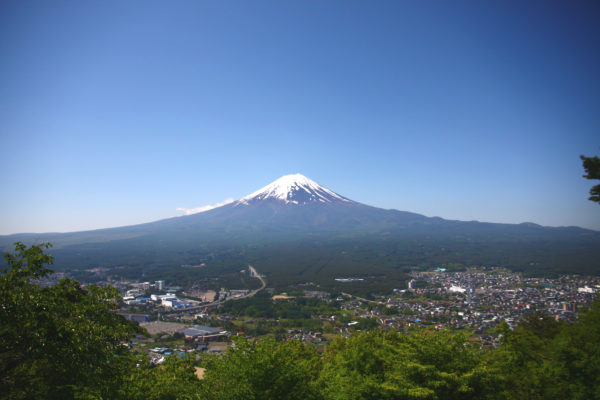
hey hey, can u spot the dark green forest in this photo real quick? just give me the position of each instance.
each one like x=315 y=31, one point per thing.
x=66 y=342
x=292 y=245
x=381 y=260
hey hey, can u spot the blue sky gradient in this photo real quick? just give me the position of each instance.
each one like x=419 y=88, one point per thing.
x=114 y=113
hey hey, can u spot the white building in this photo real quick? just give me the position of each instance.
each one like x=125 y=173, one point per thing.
x=134 y=292
x=456 y=289
x=168 y=301
x=412 y=284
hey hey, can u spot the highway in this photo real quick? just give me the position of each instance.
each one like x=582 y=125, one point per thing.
x=253 y=274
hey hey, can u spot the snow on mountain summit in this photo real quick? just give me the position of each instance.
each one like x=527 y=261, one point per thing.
x=294 y=189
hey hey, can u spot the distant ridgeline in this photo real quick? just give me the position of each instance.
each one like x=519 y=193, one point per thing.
x=295 y=231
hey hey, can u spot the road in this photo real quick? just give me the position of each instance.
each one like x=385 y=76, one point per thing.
x=253 y=274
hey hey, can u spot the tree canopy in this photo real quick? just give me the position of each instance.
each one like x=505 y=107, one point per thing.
x=59 y=341
x=592 y=169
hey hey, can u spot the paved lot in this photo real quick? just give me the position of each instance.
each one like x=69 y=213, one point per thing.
x=163 y=327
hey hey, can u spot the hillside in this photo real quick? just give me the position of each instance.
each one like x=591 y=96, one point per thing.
x=299 y=231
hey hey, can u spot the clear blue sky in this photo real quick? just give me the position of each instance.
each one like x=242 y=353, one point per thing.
x=119 y=112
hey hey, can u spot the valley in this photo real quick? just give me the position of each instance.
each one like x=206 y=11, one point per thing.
x=295 y=270
x=297 y=231
x=477 y=300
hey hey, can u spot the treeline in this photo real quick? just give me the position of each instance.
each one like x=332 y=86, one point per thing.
x=262 y=306
x=66 y=342
x=382 y=258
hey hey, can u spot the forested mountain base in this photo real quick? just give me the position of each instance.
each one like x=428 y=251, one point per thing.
x=65 y=342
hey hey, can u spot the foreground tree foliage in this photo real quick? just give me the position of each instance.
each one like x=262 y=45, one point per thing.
x=60 y=341
x=592 y=171
x=63 y=342
x=544 y=359
x=174 y=380
x=263 y=370
x=392 y=365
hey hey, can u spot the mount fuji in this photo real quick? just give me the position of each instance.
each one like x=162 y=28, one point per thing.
x=294 y=189
x=294 y=204
x=297 y=230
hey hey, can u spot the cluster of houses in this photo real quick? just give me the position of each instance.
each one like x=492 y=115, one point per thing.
x=304 y=335
x=479 y=299
x=199 y=339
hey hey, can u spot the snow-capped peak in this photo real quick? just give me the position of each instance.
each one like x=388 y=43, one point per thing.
x=294 y=189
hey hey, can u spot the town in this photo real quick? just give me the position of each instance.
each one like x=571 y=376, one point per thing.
x=477 y=300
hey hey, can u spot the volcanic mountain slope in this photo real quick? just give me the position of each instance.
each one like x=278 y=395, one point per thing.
x=296 y=204
x=302 y=229
x=294 y=189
